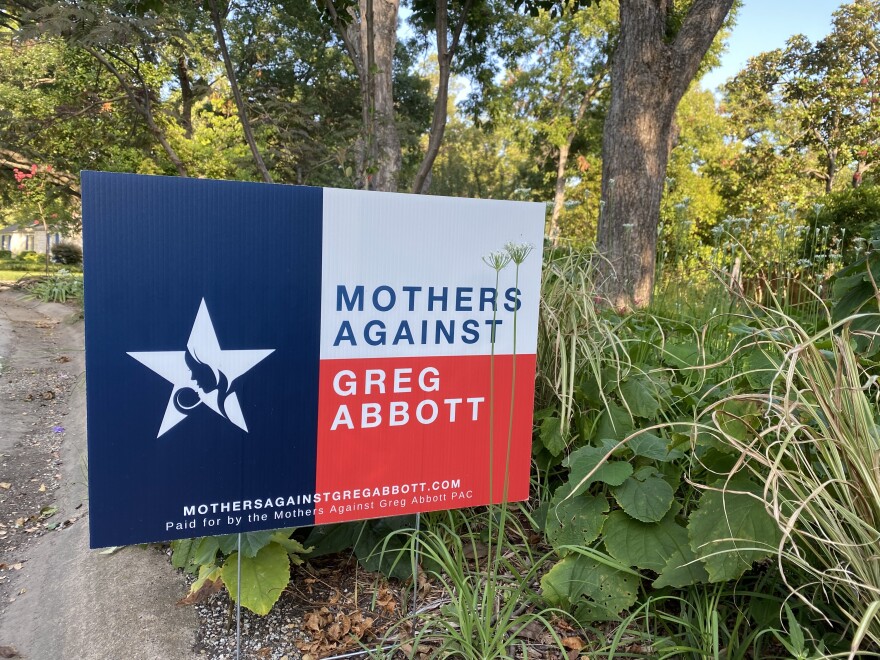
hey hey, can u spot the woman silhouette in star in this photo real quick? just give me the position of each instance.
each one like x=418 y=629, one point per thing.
x=207 y=379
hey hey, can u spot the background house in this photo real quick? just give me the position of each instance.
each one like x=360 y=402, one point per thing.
x=18 y=238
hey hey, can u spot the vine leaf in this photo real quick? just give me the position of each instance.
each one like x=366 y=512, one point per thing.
x=644 y=545
x=584 y=460
x=645 y=496
x=731 y=529
x=576 y=521
x=263 y=577
x=681 y=570
x=597 y=591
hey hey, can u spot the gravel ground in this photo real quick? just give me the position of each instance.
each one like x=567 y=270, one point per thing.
x=328 y=604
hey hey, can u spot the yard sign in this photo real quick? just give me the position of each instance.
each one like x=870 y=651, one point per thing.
x=262 y=356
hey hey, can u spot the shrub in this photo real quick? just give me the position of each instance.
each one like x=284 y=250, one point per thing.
x=851 y=213
x=30 y=255
x=5 y=254
x=60 y=287
x=69 y=254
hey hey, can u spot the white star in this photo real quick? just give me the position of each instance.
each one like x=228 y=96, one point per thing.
x=204 y=373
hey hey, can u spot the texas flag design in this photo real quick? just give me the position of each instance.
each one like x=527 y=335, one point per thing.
x=264 y=356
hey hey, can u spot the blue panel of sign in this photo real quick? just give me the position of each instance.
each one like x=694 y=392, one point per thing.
x=202 y=303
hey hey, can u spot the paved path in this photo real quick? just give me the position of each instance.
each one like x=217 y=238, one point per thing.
x=60 y=600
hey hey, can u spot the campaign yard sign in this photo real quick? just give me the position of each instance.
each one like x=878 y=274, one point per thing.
x=262 y=356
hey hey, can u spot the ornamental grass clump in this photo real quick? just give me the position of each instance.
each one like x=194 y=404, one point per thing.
x=818 y=450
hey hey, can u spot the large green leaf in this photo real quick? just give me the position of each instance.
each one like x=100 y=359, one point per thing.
x=760 y=368
x=263 y=577
x=251 y=542
x=614 y=423
x=682 y=356
x=294 y=548
x=682 y=569
x=645 y=496
x=598 y=591
x=644 y=545
x=731 y=530
x=183 y=554
x=576 y=521
x=551 y=435
x=583 y=461
x=639 y=394
x=653 y=446
x=206 y=550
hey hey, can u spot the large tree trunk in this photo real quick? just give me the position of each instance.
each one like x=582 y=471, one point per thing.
x=378 y=39
x=649 y=75
x=370 y=39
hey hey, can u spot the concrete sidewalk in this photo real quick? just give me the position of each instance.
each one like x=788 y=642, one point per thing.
x=70 y=602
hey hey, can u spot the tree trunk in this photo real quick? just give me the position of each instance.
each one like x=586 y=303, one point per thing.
x=186 y=97
x=445 y=53
x=370 y=40
x=378 y=39
x=236 y=93
x=649 y=75
x=562 y=160
x=559 y=197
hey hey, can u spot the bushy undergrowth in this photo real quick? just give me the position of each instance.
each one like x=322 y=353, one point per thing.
x=705 y=484
x=61 y=286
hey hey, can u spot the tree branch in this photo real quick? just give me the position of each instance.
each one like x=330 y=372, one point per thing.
x=13 y=160
x=143 y=108
x=236 y=93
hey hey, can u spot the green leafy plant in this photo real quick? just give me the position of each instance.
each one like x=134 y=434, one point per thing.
x=855 y=296
x=58 y=287
x=265 y=565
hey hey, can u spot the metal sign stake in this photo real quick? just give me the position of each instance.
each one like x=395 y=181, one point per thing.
x=238 y=604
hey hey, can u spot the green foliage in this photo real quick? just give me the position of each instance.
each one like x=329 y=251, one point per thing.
x=263 y=577
x=730 y=529
x=483 y=614
x=375 y=543
x=58 y=287
x=853 y=213
x=595 y=587
x=855 y=300
x=818 y=456
x=69 y=254
x=265 y=565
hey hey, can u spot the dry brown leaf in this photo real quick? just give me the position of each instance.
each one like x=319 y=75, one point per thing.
x=203 y=593
x=386 y=601
x=5 y=485
x=8 y=652
x=573 y=643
